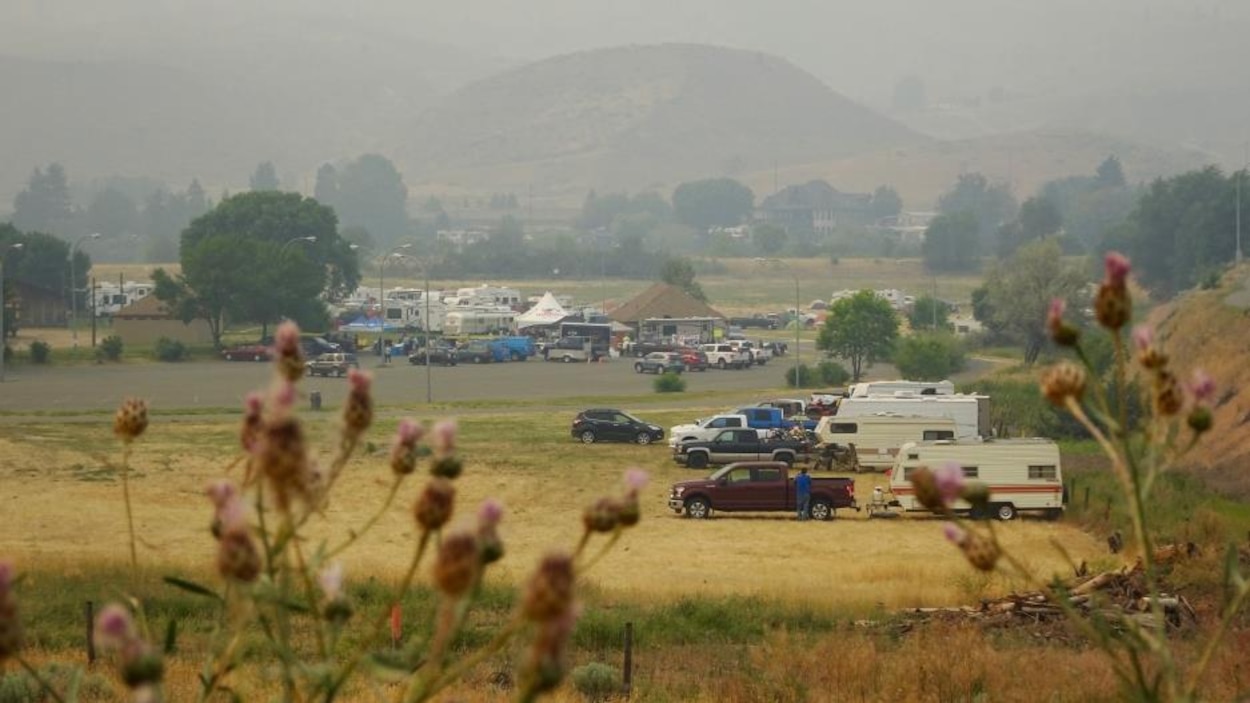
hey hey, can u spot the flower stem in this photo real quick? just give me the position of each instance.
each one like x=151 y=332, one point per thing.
x=39 y=679
x=373 y=520
x=130 y=518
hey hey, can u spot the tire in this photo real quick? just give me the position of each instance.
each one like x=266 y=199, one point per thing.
x=821 y=510
x=340 y=373
x=517 y=356
x=567 y=359
x=643 y=438
x=229 y=357
x=722 y=364
x=698 y=509
x=698 y=460
x=587 y=436
x=785 y=458
x=1054 y=514
x=477 y=359
x=1005 y=511
x=258 y=357
x=637 y=368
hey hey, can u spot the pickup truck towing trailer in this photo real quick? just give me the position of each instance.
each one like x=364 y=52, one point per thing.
x=735 y=445
x=758 y=487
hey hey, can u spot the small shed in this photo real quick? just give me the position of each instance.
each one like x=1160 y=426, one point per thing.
x=664 y=312
x=148 y=319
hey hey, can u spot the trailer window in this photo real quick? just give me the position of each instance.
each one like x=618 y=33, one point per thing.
x=1043 y=473
x=931 y=435
x=971 y=472
x=907 y=471
x=844 y=428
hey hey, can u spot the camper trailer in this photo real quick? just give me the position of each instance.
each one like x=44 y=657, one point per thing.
x=107 y=297
x=412 y=314
x=970 y=412
x=878 y=437
x=868 y=388
x=1022 y=474
x=464 y=322
x=488 y=297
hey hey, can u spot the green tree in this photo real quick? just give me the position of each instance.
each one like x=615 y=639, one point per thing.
x=768 y=238
x=265 y=177
x=45 y=204
x=991 y=205
x=1019 y=291
x=372 y=194
x=886 y=202
x=1039 y=217
x=950 y=243
x=1111 y=173
x=861 y=329
x=713 y=202
x=250 y=258
x=679 y=272
x=929 y=313
x=112 y=213
x=929 y=356
x=326 y=189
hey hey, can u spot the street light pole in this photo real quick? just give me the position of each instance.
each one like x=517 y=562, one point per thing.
x=309 y=239
x=3 y=340
x=73 y=288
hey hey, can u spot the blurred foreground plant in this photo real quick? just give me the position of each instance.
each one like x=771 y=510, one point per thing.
x=1143 y=658
x=276 y=579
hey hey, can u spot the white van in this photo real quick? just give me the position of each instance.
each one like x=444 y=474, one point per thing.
x=971 y=413
x=877 y=437
x=1022 y=474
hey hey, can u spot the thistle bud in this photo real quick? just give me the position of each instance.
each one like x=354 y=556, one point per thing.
x=336 y=608
x=1201 y=387
x=283 y=459
x=628 y=512
x=11 y=635
x=443 y=437
x=949 y=481
x=980 y=551
x=601 y=516
x=1061 y=332
x=1199 y=419
x=549 y=593
x=131 y=419
x=288 y=357
x=1062 y=381
x=141 y=666
x=237 y=556
x=435 y=504
x=925 y=484
x=456 y=567
x=976 y=493
x=446 y=467
x=490 y=547
x=114 y=627
x=358 y=409
x=253 y=424
x=1168 y=399
x=1113 y=307
x=547 y=662
x=404 y=448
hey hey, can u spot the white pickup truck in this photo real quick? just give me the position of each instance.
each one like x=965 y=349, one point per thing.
x=704 y=429
x=723 y=355
x=759 y=355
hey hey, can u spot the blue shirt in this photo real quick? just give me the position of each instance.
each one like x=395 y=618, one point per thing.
x=803 y=484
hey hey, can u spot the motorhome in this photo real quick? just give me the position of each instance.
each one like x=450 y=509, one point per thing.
x=970 y=412
x=107 y=297
x=488 y=296
x=877 y=437
x=412 y=315
x=868 y=388
x=462 y=322
x=1022 y=474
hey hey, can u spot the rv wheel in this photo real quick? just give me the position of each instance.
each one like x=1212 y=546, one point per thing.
x=1005 y=511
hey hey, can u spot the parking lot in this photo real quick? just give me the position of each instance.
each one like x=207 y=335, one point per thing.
x=220 y=384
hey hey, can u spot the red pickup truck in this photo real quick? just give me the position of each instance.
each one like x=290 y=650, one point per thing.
x=758 y=486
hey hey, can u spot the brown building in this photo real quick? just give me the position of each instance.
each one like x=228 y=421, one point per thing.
x=38 y=306
x=148 y=319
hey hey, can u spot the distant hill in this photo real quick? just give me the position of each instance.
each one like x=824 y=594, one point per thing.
x=635 y=116
x=1025 y=159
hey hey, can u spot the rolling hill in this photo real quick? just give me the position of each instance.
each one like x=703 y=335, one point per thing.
x=634 y=116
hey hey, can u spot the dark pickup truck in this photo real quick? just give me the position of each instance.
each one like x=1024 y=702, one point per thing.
x=740 y=445
x=758 y=487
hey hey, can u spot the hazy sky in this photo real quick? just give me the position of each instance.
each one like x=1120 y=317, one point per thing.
x=1038 y=47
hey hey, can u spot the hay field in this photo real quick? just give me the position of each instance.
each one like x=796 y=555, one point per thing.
x=63 y=504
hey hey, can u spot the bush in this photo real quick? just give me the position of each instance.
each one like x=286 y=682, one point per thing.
x=167 y=349
x=596 y=681
x=930 y=356
x=669 y=382
x=807 y=375
x=40 y=352
x=831 y=373
x=110 y=348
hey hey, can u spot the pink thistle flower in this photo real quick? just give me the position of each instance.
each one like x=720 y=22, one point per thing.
x=443 y=437
x=409 y=432
x=1054 y=314
x=331 y=581
x=359 y=381
x=283 y=397
x=1143 y=337
x=949 y=479
x=1202 y=387
x=636 y=479
x=286 y=339
x=954 y=533
x=220 y=492
x=114 y=627
x=1117 y=268
x=490 y=512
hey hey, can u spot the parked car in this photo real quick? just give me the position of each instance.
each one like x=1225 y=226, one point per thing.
x=480 y=352
x=740 y=445
x=758 y=487
x=445 y=356
x=694 y=359
x=607 y=424
x=660 y=362
x=725 y=356
x=332 y=364
x=570 y=349
x=247 y=352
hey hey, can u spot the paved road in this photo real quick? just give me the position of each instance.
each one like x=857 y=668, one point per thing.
x=220 y=384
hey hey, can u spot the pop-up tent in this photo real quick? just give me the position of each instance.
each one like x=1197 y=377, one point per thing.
x=370 y=324
x=547 y=311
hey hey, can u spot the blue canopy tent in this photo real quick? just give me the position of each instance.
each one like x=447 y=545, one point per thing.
x=370 y=324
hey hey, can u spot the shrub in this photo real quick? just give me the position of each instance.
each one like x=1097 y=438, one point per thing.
x=167 y=349
x=669 y=382
x=831 y=373
x=930 y=356
x=807 y=375
x=110 y=348
x=596 y=681
x=40 y=352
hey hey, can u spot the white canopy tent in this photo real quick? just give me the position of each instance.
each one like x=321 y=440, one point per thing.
x=547 y=311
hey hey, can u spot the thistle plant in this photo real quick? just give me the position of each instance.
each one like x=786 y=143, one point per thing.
x=1146 y=663
x=290 y=592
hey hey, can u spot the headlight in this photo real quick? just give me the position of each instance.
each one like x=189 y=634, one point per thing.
x=678 y=491
x=656 y=429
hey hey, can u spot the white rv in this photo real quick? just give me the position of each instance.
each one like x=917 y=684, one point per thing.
x=970 y=412
x=107 y=297
x=877 y=437
x=1022 y=474
x=412 y=314
x=868 y=388
x=464 y=322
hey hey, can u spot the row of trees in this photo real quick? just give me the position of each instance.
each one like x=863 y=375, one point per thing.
x=41 y=261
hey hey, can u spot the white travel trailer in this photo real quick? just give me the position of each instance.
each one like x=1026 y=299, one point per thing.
x=892 y=387
x=489 y=296
x=462 y=322
x=970 y=412
x=877 y=437
x=412 y=314
x=108 y=297
x=1022 y=474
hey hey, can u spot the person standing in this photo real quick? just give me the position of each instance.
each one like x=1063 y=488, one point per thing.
x=803 y=493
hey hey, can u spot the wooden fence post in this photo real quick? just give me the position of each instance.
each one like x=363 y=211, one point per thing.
x=1086 y=497
x=89 y=611
x=627 y=671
